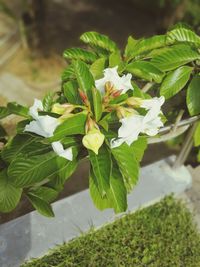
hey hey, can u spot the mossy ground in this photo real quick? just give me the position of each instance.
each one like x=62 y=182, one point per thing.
x=162 y=235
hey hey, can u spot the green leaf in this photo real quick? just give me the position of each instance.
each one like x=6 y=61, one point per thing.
x=9 y=195
x=78 y=53
x=193 y=96
x=97 y=68
x=117 y=192
x=101 y=165
x=197 y=135
x=28 y=171
x=175 y=57
x=4 y=112
x=65 y=170
x=84 y=77
x=115 y=59
x=138 y=147
x=72 y=125
x=116 y=195
x=182 y=34
x=131 y=42
x=128 y=165
x=145 y=70
x=175 y=81
x=40 y=205
x=48 y=101
x=45 y=193
x=99 y=40
x=97 y=103
x=118 y=99
x=18 y=109
x=145 y=45
x=70 y=90
x=25 y=144
x=68 y=73
x=100 y=202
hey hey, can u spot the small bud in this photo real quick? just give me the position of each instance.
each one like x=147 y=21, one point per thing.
x=123 y=112
x=83 y=97
x=62 y=109
x=93 y=140
x=116 y=93
x=134 y=101
x=109 y=87
x=120 y=112
x=106 y=99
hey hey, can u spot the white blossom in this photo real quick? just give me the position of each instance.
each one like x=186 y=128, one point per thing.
x=135 y=124
x=59 y=150
x=154 y=104
x=129 y=130
x=45 y=125
x=111 y=75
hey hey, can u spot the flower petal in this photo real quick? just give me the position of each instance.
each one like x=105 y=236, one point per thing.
x=48 y=124
x=44 y=126
x=111 y=75
x=33 y=111
x=34 y=127
x=60 y=151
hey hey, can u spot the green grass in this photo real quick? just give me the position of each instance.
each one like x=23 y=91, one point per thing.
x=162 y=235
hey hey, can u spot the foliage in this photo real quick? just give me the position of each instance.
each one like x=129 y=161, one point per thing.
x=160 y=235
x=82 y=121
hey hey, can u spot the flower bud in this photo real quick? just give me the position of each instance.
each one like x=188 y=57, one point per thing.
x=123 y=112
x=62 y=109
x=134 y=101
x=83 y=97
x=120 y=112
x=93 y=140
x=109 y=87
x=116 y=93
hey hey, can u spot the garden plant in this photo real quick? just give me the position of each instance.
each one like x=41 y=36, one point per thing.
x=111 y=105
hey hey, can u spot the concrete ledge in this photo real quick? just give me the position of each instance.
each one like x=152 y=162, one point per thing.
x=32 y=235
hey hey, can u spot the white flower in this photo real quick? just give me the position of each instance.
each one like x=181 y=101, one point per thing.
x=154 y=104
x=111 y=75
x=59 y=150
x=152 y=120
x=151 y=123
x=45 y=125
x=135 y=124
x=37 y=105
x=129 y=130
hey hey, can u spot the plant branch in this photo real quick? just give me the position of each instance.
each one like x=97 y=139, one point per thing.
x=186 y=148
x=174 y=130
x=188 y=121
x=147 y=87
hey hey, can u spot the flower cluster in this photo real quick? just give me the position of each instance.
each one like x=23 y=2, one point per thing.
x=45 y=125
x=136 y=115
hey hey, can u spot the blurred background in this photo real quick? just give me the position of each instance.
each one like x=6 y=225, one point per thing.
x=34 y=34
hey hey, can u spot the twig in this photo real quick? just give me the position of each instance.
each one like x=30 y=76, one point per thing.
x=188 y=121
x=174 y=130
x=147 y=87
x=186 y=148
x=165 y=137
x=178 y=119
